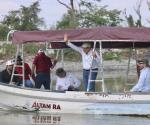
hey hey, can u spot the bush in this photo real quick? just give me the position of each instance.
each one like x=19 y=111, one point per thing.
x=7 y=51
x=112 y=56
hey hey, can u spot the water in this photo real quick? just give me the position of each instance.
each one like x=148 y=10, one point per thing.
x=25 y=118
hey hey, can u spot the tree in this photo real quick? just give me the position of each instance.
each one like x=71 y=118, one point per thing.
x=64 y=22
x=3 y=32
x=70 y=16
x=130 y=20
x=148 y=4
x=92 y=15
x=26 y=18
x=88 y=14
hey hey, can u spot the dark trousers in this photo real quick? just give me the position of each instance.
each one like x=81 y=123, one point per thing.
x=42 y=79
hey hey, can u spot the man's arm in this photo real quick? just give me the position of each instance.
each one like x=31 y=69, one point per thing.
x=76 y=82
x=54 y=62
x=76 y=48
x=59 y=85
x=96 y=56
x=33 y=69
x=139 y=85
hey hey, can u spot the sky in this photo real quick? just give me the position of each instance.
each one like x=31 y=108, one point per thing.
x=52 y=11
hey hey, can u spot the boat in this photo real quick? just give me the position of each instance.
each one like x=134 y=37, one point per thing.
x=79 y=102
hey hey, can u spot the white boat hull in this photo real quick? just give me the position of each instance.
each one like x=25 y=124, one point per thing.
x=19 y=99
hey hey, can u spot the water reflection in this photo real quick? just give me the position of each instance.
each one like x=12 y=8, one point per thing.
x=52 y=119
x=20 y=118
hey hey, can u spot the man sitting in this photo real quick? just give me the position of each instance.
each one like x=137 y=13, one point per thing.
x=66 y=81
x=6 y=73
x=143 y=84
x=27 y=71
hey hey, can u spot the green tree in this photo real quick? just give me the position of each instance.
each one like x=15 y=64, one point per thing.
x=26 y=18
x=64 y=23
x=68 y=19
x=92 y=15
x=89 y=14
x=3 y=32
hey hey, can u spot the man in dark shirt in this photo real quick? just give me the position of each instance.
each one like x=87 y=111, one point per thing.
x=42 y=64
x=6 y=73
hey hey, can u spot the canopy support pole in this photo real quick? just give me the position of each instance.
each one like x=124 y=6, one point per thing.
x=132 y=51
x=102 y=67
x=128 y=68
x=62 y=58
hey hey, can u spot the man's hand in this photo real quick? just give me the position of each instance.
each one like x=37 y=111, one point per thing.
x=94 y=54
x=66 y=38
x=55 y=61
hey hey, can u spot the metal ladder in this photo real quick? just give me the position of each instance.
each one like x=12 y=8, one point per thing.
x=132 y=50
x=100 y=69
x=19 y=52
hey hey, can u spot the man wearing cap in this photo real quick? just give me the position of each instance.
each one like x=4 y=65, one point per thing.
x=42 y=64
x=6 y=73
x=90 y=60
x=143 y=84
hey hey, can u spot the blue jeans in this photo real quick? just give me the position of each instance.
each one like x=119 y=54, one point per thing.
x=86 y=74
x=42 y=79
x=28 y=83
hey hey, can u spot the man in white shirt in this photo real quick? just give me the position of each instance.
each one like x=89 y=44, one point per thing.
x=90 y=60
x=66 y=81
x=143 y=84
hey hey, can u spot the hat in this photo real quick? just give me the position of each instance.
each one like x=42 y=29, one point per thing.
x=10 y=62
x=19 y=58
x=40 y=51
x=143 y=61
x=86 y=45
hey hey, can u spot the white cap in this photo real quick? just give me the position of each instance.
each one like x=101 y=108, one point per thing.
x=10 y=62
x=85 y=45
x=41 y=51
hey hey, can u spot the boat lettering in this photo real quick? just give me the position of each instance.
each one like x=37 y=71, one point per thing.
x=100 y=94
x=127 y=95
x=38 y=105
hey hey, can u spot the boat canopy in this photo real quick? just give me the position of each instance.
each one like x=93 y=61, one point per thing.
x=111 y=37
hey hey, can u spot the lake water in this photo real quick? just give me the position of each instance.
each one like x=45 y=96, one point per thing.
x=25 y=118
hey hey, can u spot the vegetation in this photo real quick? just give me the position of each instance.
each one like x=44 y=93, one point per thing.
x=110 y=55
x=26 y=18
x=3 y=32
x=85 y=13
x=88 y=15
x=7 y=51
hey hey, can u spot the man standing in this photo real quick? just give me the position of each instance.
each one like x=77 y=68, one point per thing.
x=143 y=84
x=90 y=60
x=42 y=64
